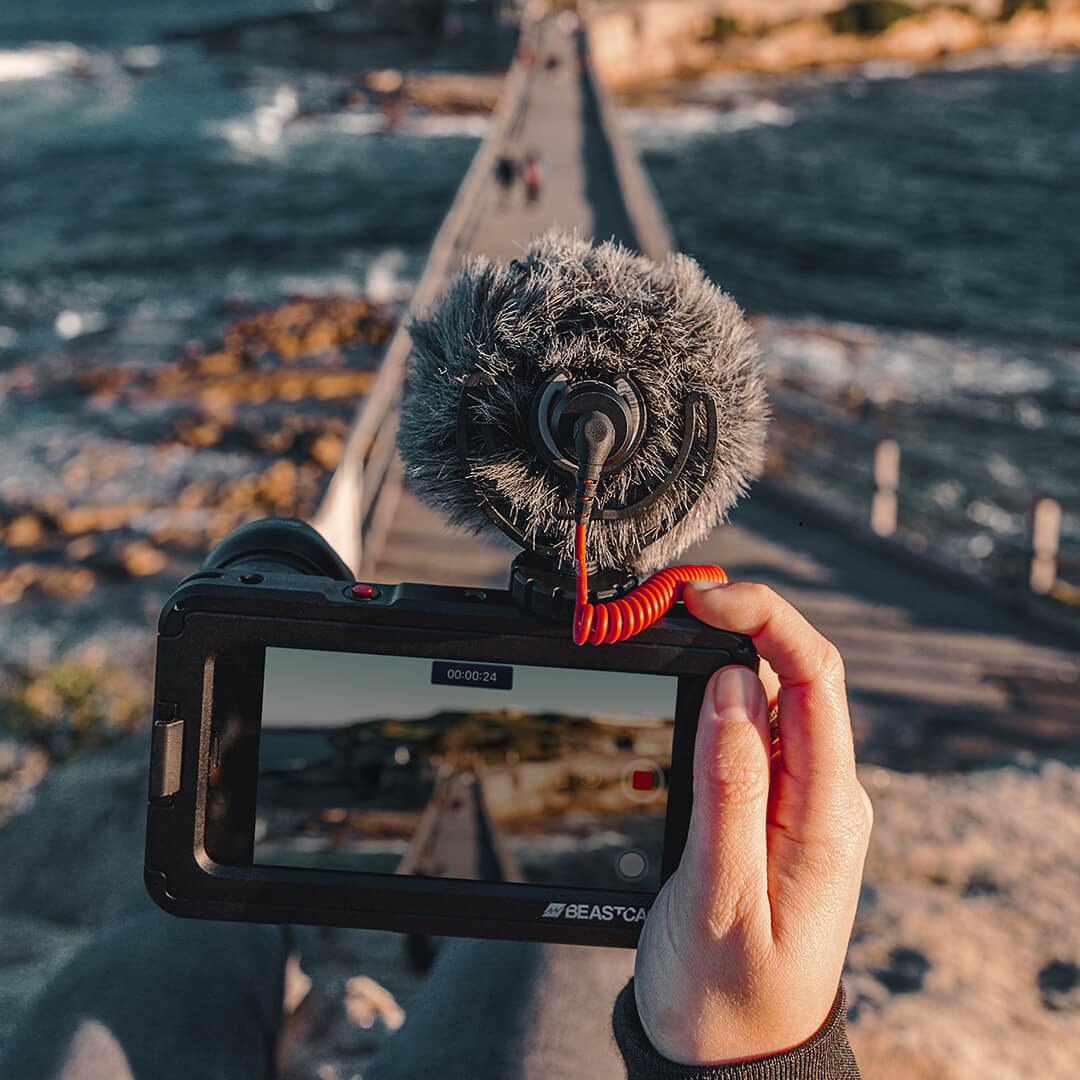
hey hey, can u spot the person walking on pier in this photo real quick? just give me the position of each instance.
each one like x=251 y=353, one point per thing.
x=533 y=172
x=506 y=171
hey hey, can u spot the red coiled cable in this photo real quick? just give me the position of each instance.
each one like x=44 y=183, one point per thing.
x=616 y=620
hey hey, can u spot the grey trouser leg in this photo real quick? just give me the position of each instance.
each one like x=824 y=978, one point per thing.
x=153 y=997
x=158 y=998
x=511 y=1011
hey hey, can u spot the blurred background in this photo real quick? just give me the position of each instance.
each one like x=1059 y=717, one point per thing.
x=214 y=217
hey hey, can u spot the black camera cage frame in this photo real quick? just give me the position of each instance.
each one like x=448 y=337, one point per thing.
x=216 y=614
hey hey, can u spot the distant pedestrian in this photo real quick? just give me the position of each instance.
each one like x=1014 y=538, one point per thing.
x=506 y=170
x=533 y=174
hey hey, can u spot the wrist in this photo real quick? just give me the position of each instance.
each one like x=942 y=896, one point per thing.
x=827 y=1045
x=687 y=1035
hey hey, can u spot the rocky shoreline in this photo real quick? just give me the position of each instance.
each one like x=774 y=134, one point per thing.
x=648 y=57
x=250 y=426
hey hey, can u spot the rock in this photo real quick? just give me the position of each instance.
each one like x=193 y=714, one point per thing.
x=327 y=450
x=142 y=559
x=906 y=971
x=656 y=41
x=25 y=531
x=931 y=35
x=1059 y=984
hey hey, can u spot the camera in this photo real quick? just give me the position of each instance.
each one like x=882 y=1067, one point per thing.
x=484 y=762
x=416 y=758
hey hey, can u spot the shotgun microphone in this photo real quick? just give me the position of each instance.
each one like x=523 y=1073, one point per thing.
x=601 y=410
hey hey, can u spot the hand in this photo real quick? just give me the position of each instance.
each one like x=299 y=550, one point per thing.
x=742 y=951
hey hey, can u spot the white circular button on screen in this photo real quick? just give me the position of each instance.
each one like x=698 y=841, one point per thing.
x=631 y=865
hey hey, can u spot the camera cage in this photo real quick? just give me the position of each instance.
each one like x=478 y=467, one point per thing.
x=277 y=583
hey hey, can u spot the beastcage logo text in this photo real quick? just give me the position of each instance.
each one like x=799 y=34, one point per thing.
x=599 y=912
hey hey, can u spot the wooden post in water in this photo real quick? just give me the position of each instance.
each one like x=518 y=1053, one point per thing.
x=1045 y=537
x=886 y=482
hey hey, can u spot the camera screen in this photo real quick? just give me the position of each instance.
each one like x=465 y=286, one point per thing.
x=459 y=769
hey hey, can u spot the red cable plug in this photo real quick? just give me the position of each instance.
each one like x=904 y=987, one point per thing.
x=617 y=620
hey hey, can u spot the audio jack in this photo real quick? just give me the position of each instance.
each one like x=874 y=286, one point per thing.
x=616 y=620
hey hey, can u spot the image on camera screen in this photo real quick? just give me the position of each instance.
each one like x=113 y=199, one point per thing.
x=460 y=769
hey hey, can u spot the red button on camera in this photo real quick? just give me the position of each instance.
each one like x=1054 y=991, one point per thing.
x=361 y=591
x=642 y=780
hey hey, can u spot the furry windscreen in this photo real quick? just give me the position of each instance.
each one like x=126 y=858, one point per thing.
x=595 y=312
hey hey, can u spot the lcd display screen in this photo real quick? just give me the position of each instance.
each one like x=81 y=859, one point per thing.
x=460 y=769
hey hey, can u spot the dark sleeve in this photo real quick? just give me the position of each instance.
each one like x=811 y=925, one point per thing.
x=826 y=1055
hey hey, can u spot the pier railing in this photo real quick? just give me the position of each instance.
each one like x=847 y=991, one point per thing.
x=643 y=207
x=359 y=504
x=852 y=471
x=954 y=514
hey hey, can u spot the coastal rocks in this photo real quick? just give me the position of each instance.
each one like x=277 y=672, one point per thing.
x=306 y=326
x=453 y=92
x=935 y=34
x=200 y=444
x=638 y=45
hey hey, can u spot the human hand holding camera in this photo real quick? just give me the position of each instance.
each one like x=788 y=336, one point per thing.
x=742 y=952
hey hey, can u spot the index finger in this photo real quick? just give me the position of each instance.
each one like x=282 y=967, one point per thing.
x=815 y=729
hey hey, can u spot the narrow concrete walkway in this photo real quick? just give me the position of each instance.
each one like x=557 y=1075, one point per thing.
x=421 y=546
x=551 y=128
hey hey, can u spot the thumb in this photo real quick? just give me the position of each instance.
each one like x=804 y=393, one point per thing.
x=725 y=858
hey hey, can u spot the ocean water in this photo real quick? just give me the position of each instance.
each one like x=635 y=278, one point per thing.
x=909 y=246
x=911 y=243
x=145 y=185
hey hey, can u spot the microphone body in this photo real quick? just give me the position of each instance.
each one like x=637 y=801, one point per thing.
x=511 y=363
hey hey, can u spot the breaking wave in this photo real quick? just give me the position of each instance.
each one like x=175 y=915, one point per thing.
x=48 y=59
x=659 y=127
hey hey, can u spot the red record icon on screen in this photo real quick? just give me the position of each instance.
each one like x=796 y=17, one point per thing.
x=643 y=780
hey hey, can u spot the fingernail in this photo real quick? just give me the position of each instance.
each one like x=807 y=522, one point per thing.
x=738 y=692
x=705 y=586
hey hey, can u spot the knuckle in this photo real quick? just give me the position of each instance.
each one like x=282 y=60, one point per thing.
x=832 y=663
x=841 y=847
x=735 y=783
x=850 y=836
x=760 y=595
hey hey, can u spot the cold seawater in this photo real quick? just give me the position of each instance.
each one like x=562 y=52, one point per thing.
x=910 y=242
